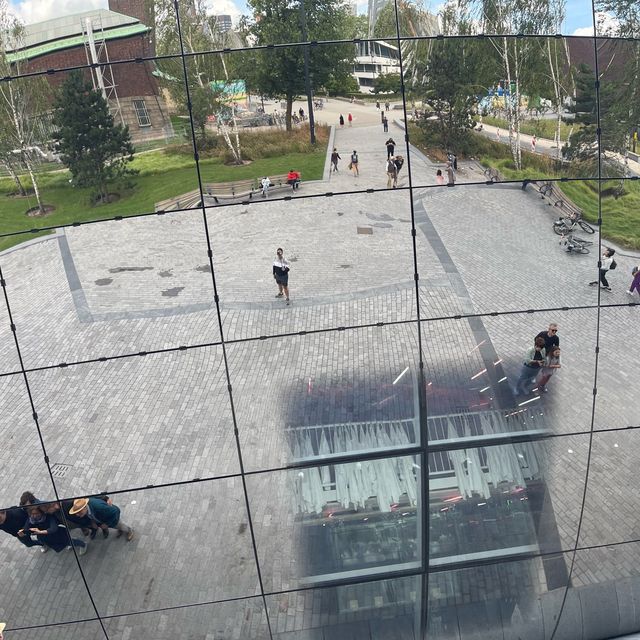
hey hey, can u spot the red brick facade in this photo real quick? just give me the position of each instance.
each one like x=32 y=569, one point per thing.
x=131 y=79
x=140 y=9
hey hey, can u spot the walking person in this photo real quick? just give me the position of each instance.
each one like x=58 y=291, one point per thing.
x=353 y=164
x=301 y=114
x=386 y=106
x=399 y=162
x=385 y=125
x=439 y=177
x=350 y=119
x=335 y=156
x=533 y=361
x=281 y=270
x=341 y=121
x=606 y=264
x=550 y=337
x=105 y=514
x=391 y=147
x=635 y=283
x=451 y=174
x=266 y=183
x=392 y=174
x=378 y=105
x=550 y=366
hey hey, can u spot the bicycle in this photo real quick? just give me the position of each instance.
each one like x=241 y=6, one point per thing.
x=562 y=226
x=572 y=244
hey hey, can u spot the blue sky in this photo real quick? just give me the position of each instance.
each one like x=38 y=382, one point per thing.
x=578 y=11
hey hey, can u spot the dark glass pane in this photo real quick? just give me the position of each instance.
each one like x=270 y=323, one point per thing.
x=387 y=608
x=304 y=398
x=337 y=521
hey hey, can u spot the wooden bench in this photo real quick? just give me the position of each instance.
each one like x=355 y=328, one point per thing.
x=549 y=191
x=188 y=200
x=223 y=191
x=232 y=190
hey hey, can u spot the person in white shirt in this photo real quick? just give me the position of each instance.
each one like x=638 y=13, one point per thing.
x=605 y=265
x=266 y=183
x=281 y=274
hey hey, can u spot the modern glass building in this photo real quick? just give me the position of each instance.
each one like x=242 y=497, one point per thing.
x=376 y=452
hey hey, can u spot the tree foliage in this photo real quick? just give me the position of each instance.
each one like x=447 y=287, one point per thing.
x=207 y=74
x=280 y=72
x=387 y=83
x=447 y=88
x=96 y=150
x=23 y=102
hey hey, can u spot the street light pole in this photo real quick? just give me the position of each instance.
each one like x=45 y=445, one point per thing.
x=307 y=79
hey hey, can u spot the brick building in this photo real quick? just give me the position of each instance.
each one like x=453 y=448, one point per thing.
x=106 y=36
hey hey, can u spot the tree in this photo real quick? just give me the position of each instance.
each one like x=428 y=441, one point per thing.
x=446 y=82
x=95 y=149
x=387 y=83
x=22 y=102
x=208 y=74
x=280 y=71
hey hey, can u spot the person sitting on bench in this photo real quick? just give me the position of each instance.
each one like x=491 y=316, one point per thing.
x=293 y=178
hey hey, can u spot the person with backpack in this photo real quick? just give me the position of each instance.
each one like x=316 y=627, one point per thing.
x=392 y=174
x=353 y=164
x=391 y=146
x=607 y=263
x=399 y=162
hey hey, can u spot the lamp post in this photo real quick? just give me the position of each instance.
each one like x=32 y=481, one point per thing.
x=307 y=79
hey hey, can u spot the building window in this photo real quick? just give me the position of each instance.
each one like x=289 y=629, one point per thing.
x=141 y=112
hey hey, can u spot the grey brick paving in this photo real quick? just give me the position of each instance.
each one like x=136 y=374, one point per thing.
x=163 y=418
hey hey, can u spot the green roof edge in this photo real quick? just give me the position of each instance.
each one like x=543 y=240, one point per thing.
x=74 y=41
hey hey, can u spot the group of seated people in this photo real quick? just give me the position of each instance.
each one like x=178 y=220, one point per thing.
x=47 y=524
x=293 y=179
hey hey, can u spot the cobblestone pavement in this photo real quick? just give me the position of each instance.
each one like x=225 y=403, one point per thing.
x=120 y=288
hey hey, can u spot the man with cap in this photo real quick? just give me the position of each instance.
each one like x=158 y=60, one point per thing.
x=105 y=514
x=12 y=521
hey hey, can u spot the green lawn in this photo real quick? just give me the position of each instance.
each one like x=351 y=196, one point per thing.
x=162 y=175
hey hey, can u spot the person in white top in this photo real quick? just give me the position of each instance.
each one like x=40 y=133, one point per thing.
x=266 y=183
x=281 y=274
x=605 y=265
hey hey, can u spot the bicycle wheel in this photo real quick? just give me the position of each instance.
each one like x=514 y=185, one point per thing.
x=587 y=228
x=560 y=229
x=583 y=249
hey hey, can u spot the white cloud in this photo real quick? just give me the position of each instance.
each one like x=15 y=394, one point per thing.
x=606 y=25
x=224 y=7
x=30 y=11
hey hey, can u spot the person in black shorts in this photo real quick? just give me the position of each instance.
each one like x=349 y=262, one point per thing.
x=281 y=274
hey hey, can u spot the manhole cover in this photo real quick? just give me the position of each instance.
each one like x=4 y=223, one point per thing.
x=365 y=231
x=60 y=470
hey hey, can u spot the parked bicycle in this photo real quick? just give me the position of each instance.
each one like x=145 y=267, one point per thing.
x=573 y=244
x=569 y=224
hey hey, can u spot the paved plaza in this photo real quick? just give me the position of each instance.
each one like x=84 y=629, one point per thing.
x=120 y=288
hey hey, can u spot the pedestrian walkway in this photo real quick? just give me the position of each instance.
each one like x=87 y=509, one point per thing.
x=543 y=146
